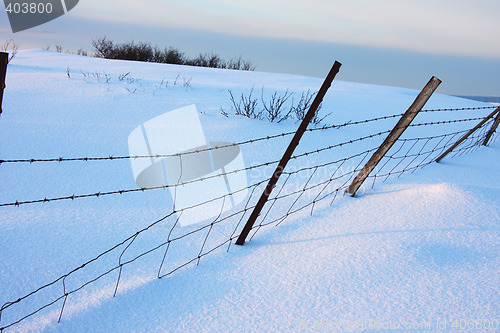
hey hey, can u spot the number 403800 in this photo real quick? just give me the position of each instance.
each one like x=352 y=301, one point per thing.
x=29 y=8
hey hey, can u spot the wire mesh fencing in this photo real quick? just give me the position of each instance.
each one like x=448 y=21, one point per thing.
x=313 y=179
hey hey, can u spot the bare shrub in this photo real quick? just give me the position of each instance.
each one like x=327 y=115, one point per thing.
x=246 y=105
x=274 y=109
x=240 y=64
x=187 y=82
x=11 y=47
x=207 y=60
x=105 y=48
x=107 y=77
x=123 y=76
x=303 y=106
x=82 y=52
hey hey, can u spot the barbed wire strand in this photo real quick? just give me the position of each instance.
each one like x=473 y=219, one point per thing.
x=131 y=238
x=407 y=168
x=399 y=155
x=241 y=143
x=163 y=187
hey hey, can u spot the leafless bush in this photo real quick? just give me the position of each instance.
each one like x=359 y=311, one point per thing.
x=107 y=77
x=224 y=113
x=207 y=60
x=105 y=48
x=130 y=80
x=187 y=82
x=168 y=56
x=274 y=109
x=11 y=47
x=246 y=105
x=97 y=76
x=85 y=75
x=303 y=106
x=316 y=119
x=81 y=52
x=123 y=76
x=240 y=64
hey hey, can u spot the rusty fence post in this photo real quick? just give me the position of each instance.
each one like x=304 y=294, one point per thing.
x=394 y=135
x=478 y=126
x=493 y=128
x=288 y=153
x=4 y=59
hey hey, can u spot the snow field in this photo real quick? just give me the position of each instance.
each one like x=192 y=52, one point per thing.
x=422 y=248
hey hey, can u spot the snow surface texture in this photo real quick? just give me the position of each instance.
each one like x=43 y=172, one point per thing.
x=420 y=251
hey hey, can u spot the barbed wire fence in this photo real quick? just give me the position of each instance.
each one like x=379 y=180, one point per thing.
x=314 y=177
x=329 y=181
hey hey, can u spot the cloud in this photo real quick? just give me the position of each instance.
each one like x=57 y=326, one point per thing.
x=443 y=27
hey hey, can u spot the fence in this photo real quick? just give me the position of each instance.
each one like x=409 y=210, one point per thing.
x=312 y=178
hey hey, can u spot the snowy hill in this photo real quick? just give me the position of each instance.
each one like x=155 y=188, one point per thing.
x=417 y=252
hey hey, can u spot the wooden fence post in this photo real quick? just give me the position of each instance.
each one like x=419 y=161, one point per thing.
x=288 y=153
x=462 y=139
x=4 y=59
x=394 y=135
x=493 y=128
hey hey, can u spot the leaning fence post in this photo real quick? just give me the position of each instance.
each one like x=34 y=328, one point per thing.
x=462 y=139
x=394 y=135
x=288 y=153
x=493 y=128
x=4 y=59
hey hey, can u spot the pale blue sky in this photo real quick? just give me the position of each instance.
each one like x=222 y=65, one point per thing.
x=392 y=42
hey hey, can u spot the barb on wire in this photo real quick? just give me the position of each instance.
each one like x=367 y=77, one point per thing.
x=101 y=194
x=241 y=143
x=126 y=244
x=460 y=109
x=163 y=187
x=411 y=154
x=301 y=189
x=18 y=203
x=131 y=157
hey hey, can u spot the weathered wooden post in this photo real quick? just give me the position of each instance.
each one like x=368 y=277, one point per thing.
x=4 y=59
x=493 y=128
x=288 y=153
x=478 y=126
x=394 y=135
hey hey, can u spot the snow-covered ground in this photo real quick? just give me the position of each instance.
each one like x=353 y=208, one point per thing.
x=420 y=252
